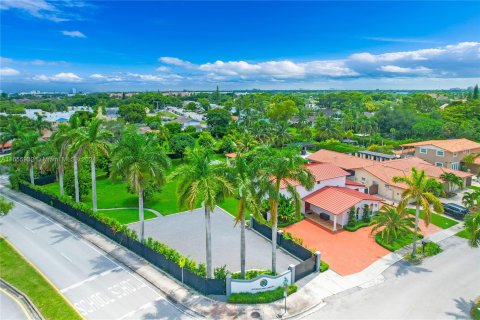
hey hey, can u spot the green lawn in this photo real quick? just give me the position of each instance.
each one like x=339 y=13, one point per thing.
x=474 y=188
x=397 y=244
x=437 y=219
x=463 y=234
x=19 y=273
x=126 y=216
x=114 y=194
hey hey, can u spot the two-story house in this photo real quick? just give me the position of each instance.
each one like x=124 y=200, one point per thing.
x=444 y=153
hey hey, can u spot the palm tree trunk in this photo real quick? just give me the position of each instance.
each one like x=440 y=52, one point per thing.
x=242 y=239
x=140 y=212
x=32 y=177
x=273 y=212
x=415 y=232
x=94 y=185
x=208 y=235
x=75 y=175
x=60 y=179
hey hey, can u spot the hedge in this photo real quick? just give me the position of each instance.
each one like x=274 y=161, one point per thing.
x=324 y=266
x=261 y=297
x=356 y=226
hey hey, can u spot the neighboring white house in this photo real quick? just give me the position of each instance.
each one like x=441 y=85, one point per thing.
x=187 y=122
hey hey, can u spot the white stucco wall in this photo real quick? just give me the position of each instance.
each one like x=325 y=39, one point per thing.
x=336 y=182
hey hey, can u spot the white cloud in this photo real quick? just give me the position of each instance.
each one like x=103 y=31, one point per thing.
x=175 y=62
x=163 y=69
x=73 y=34
x=5 y=60
x=8 y=72
x=37 y=8
x=59 y=77
x=397 y=69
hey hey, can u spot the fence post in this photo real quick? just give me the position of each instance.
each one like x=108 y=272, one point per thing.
x=292 y=269
x=318 y=257
x=228 y=285
x=279 y=237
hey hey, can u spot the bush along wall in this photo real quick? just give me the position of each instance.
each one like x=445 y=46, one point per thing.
x=157 y=253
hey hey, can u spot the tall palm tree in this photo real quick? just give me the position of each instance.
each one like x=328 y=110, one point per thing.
x=142 y=162
x=471 y=199
x=62 y=139
x=27 y=147
x=452 y=181
x=418 y=189
x=202 y=180
x=393 y=222
x=92 y=140
x=243 y=175
x=472 y=226
x=282 y=168
x=39 y=124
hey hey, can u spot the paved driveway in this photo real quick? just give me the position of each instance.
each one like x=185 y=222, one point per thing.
x=186 y=233
x=346 y=252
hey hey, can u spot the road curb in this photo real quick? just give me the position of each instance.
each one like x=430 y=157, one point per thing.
x=20 y=297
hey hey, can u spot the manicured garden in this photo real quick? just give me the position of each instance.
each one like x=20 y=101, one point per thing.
x=396 y=244
x=436 y=219
x=18 y=272
x=261 y=297
x=114 y=194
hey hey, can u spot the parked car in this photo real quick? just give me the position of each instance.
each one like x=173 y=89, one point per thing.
x=455 y=210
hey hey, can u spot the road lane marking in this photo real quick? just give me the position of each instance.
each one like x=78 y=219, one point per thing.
x=66 y=257
x=145 y=306
x=89 y=278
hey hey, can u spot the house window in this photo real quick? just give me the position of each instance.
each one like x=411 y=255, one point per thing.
x=440 y=153
x=455 y=154
x=363 y=179
x=423 y=150
x=455 y=166
x=466 y=151
x=439 y=164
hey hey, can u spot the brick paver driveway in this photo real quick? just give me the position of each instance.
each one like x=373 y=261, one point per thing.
x=346 y=252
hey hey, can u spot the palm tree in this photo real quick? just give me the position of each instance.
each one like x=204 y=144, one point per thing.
x=243 y=175
x=472 y=226
x=418 y=189
x=201 y=180
x=393 y=222
x=142 y=162
x=471 y=199
x=452 y=181
x=39 y=124
x=13 y=130
x=281 y=168
x=62 y=139
x=92 y=140
x=27 y=147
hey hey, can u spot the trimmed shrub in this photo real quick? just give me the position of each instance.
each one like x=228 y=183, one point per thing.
x=250 y=274
x=324 y=266
x=261 y=297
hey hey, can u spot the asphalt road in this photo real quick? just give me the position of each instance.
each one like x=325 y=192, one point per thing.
x=99 y=287
x=10 y=309
x=443 y=287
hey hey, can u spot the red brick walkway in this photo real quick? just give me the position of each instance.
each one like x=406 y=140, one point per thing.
x=345 y=252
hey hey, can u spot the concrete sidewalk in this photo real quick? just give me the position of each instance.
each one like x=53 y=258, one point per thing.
x=314 y=288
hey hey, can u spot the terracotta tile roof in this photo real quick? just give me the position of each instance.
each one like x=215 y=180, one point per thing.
x=408 y=150
x=341 y=160
x=452 y=145
x=337 y=200
x=6 y=145
x=231 y=155
x=349 y=182
x=477 y=161
x=321 y=171
x=386 y=170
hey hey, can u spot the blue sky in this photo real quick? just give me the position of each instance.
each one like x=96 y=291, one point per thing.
x=123 y=45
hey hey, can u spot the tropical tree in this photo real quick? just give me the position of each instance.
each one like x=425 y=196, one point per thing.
x=142 y=162
x=472 y=226
x=27 y=148
x=282 y=169
x=13 y=130
x=418 y=189
x=471 y=199
x=92 y=141
x=62 y=139
x=452 y=181
x=200 y=180
x=393 y=223
x=243 y=174
x=5 y=206
x=39 y=124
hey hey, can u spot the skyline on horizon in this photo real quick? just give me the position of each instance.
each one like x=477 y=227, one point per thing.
x=126 y=46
